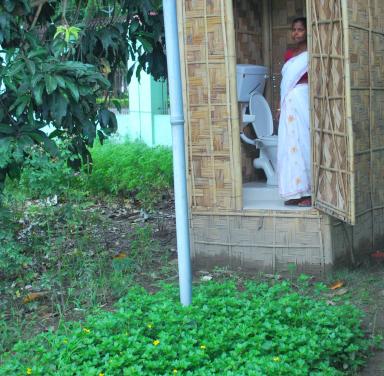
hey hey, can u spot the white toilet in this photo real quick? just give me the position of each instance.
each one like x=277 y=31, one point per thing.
x=250 y=88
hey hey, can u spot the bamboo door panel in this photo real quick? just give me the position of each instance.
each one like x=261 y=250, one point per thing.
x=332 y=148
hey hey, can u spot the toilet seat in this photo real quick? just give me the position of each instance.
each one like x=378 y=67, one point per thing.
x=263 y=122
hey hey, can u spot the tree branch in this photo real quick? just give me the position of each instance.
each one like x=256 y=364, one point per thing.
x=64 y=12
x=78 y=11
x=37 y=14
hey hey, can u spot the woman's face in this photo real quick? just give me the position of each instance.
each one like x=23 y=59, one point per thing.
x=299 y=32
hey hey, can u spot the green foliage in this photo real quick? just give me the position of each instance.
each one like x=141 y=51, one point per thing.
x=13 y=256
x=53 y=72
x=44 y=177
x=53 y=239
x=119 y=102
x=131 y=169
x=256 y=330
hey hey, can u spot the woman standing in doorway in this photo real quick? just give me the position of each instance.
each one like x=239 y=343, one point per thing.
x=293 y=155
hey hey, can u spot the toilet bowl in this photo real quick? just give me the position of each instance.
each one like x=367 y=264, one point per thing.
x=267 y=159
x=260 y=117
x=255 y=110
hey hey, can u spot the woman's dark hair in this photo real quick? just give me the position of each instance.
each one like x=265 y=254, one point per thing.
x=303 y=20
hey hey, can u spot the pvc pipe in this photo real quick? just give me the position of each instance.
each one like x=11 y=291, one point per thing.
x=178 y=147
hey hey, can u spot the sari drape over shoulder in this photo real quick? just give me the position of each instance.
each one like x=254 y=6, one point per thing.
x=293 y=154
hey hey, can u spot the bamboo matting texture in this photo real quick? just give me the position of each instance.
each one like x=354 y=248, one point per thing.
x=208 y=103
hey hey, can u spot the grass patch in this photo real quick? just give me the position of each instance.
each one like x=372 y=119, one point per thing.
x=62 y=255
x=132 y=169
x=258 y=329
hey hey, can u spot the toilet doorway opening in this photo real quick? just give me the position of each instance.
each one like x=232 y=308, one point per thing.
x=262 y=33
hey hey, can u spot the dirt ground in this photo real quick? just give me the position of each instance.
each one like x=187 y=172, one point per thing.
x=363 y=285
x=367 y=291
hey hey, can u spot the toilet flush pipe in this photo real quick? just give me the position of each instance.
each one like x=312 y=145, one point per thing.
x=178 y=148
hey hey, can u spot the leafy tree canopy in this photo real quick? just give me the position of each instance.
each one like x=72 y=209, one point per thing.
x=57 y=57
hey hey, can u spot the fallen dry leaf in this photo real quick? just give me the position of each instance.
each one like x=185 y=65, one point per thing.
x=32 y=296
x=120 y=255
x=336 y=285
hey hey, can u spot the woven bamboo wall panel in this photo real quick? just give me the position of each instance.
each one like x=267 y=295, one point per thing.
x=264 y=242
x=377 y=122
x=377 y=60
x=377 y=150
x=341 y=235
x=198 y=88
x=362 y=181
x=359 y=62
x=331 y=136
x=248 y=31
x=215 y=38
x=360 y=120
x=378 y=229
x=376 y=169
x=362 y=235
x=204 y=37
x=221 y=140
x=195 y=40
x=377 y=15
x=283 y=13
x=208 y=103
x=358 y=13
x=328 y=88
x=367 y=96
x=200 y=133
x=218 y=84
x=200 y=8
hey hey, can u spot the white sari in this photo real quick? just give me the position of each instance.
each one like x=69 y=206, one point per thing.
x=293 y=153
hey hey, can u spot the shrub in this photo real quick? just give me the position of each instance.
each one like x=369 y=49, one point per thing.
x=13 y=257
x=256 y=330
x=131 y=169
x=43 y=177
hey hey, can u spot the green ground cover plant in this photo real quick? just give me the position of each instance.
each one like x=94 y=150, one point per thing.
x=252 y=329
x=59 y=244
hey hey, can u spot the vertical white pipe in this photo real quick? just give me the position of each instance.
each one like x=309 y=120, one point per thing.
x=178 y=146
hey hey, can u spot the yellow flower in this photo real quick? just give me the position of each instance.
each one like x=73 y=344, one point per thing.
x=156 y=342
x=101 y=374
x=29 y=371
x=175 y=371
x=276 y=359
x=203 y=347
x=150 y=326
x=85 y=330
